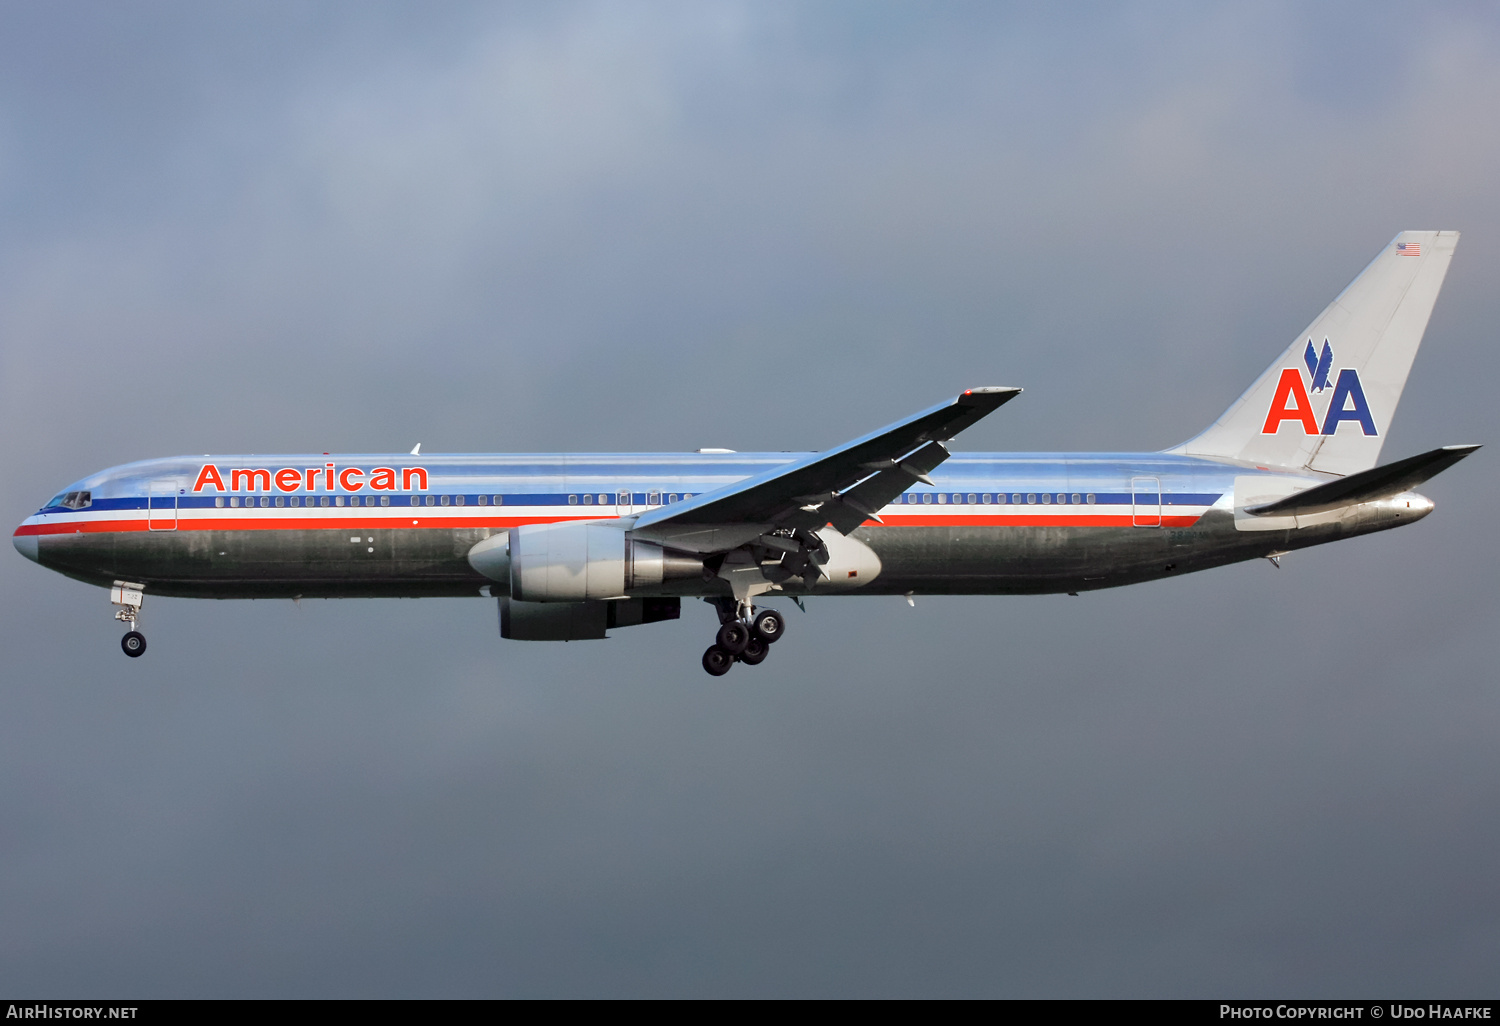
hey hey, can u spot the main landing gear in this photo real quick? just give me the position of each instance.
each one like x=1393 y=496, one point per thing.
x=745 y=636
x=129 y=598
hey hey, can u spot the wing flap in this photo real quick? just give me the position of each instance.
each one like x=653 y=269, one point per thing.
x=860 y=503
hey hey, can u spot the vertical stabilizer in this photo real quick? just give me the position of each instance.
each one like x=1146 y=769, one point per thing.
x=1327 y=403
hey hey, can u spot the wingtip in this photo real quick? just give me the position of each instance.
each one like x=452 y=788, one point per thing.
x=991 y=397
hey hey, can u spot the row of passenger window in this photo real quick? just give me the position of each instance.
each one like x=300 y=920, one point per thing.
x=652 y=499
x=988 y=498
x=235 y=501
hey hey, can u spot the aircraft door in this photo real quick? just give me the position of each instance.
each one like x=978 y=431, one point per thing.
x=1145 y=502
x=161 y=506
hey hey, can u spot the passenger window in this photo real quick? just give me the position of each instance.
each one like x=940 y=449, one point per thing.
x=295 y=500
x=1046 y=498
x=385 y=500
x=430 y=500
x=653 y=498
x=499 y=500
x=572 y=500
x=234 y=501
x=265 y=501
x=416 y=500
x=458 y=500
x=973 y=498
x=338 y=500
x=219 y=501
x=323 y=500
x=672 y=497
x=1062 y=499
x=927 y=498
x=588 y=500
x=942 y=498
x=444 y=500
x=483 y=500
x=280 y=502
x=1089 y=498
x=985 y=498
x=1031 y=498
x=1015 y=498
x=1077 y=498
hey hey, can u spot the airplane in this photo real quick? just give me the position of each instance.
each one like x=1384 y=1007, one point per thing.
x=576 y=545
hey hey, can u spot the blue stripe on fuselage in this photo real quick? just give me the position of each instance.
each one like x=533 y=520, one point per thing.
x=549 y=481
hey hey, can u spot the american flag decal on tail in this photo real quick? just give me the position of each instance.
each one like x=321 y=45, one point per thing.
x=1408 y=249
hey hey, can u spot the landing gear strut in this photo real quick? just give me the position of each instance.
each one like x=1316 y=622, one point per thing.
x=745 y=636
x=129 y=598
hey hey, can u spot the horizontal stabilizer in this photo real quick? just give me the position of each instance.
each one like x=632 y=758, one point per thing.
x=1367 y=485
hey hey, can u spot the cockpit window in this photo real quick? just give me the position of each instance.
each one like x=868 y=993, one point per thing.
x=72 y=500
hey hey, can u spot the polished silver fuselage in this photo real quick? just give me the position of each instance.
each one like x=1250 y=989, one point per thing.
x=991 y=523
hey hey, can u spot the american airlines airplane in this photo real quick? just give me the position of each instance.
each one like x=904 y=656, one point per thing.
x=576 y=545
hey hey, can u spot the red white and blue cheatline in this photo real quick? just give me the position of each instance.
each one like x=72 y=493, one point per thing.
x=1408 y=249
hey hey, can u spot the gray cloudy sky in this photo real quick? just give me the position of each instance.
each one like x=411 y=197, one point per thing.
x=269 y=227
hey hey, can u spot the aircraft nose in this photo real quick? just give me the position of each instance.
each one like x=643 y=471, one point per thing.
x=27 y=545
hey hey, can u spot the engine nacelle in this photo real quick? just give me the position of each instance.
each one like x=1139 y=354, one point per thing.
x=574 y=562
x=580 y=621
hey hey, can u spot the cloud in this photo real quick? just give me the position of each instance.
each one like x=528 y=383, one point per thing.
x=594 y=226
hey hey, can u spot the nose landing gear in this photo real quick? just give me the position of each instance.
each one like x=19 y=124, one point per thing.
x=129 y=598
x=744 y=636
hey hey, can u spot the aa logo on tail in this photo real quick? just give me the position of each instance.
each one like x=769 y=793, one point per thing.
x=1293 y=400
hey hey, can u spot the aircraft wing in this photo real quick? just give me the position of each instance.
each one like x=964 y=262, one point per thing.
x=1367 y=485
x=844 y=486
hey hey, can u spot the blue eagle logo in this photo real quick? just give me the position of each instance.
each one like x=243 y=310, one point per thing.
x=1318 y=366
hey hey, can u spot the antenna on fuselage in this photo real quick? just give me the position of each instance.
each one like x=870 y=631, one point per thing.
x=416 y=450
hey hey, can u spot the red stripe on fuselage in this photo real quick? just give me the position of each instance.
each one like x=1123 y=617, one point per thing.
x=388 y=522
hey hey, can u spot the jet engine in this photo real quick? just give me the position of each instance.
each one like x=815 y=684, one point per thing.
x=572 y=562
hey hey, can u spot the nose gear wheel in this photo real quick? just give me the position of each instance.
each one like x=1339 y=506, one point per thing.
x=129 y=597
